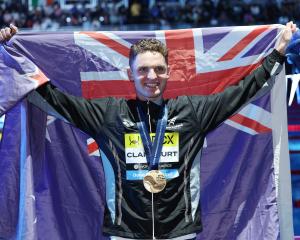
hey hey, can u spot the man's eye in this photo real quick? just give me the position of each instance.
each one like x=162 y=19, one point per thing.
x=143 y=69
x=160 y=69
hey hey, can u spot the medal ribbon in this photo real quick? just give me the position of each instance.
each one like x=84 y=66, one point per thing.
x=153 y=151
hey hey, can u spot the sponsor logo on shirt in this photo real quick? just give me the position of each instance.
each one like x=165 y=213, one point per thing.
x=171 y=124
x=127 y=123
x=134 y=149
x=136 y=162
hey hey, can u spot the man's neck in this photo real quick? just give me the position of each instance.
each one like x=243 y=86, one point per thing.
x=157 y=101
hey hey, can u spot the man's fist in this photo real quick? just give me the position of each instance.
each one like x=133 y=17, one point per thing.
x=7 y=33
x=286 y=36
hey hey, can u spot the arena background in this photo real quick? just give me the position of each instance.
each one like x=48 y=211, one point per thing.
x=71 y=15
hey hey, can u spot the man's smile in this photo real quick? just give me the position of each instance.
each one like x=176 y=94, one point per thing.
x=152 y=84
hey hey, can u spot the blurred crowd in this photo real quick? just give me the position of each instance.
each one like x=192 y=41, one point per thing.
x=163 y=13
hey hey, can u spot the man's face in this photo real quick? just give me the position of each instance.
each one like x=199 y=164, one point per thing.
x=150 y=73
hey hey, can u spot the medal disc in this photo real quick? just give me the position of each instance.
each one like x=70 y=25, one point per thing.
x=155 y=181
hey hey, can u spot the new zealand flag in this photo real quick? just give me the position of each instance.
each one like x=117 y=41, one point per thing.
x=52 y=184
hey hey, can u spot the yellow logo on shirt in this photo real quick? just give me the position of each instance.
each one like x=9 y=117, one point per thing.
x=134 y=149
x=134 y=140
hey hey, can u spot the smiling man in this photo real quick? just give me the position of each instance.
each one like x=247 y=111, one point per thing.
x=149 y=69
x=150 y=146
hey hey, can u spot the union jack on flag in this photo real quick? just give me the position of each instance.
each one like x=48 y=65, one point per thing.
x=245 y=191
x=202 y=61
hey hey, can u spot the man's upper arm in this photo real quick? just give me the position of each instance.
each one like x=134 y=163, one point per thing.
x=214 y=109
x=87 y=115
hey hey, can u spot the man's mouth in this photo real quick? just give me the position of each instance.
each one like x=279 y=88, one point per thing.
x=152 y=85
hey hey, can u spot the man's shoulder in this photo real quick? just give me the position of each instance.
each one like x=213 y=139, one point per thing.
x=186 y=102
x=110 y=103
x=109 y=100
x=185 y=99
x=177 y=102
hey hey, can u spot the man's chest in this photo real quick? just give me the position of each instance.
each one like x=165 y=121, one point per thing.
x=124 y=134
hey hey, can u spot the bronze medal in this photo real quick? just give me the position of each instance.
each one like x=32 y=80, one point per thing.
x=155 y=181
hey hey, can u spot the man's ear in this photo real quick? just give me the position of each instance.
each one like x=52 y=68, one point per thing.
x=168 y=71
x=130 y=75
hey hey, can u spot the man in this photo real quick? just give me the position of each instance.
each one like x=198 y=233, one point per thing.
x=160 y=198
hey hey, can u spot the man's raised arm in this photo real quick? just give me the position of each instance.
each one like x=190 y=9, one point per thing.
x=216 y=108
x=87 y=115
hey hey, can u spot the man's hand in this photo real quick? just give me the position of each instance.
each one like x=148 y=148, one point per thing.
x=286 y=36
x=7 y=33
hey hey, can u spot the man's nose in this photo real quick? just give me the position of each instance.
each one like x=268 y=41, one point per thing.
x=151 y=74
